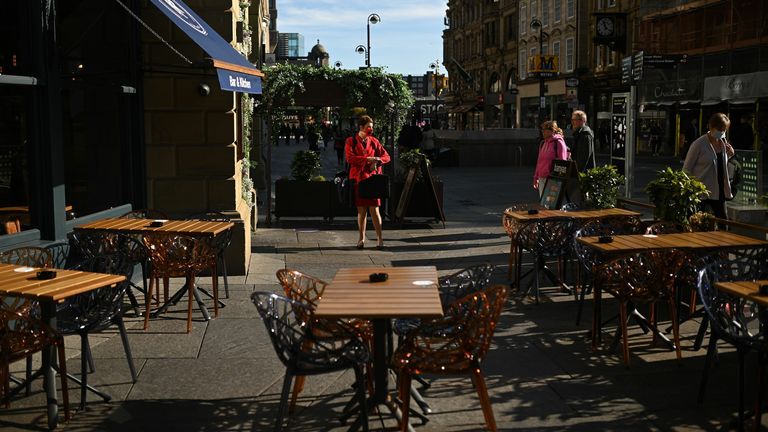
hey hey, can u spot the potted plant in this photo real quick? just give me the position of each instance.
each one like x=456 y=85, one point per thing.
x=676 y=195
x=306 y=193
x=421 y=204
x=600 y=186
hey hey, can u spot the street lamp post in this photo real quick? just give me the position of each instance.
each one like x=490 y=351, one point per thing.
x=436 y=75
x=536 y=25
x=372 y=19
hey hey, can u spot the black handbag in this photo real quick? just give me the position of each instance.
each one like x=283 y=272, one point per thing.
x=375 y=186
x=343 y=187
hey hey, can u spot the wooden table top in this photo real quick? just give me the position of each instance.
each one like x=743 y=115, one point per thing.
x=141 y=226
x=747 y=289
x=522 y=215
x=351 y=295
x=67 y=283
x=692 y=240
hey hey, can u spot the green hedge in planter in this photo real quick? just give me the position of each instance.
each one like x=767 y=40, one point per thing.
x=600 y=186
x=676 y=195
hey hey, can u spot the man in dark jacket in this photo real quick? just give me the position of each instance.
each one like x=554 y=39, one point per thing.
x=583 y=150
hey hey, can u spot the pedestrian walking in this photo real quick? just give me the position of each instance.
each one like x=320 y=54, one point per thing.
x=707 y=160
x=583 y=141
x=365 y=156
x=551 y=147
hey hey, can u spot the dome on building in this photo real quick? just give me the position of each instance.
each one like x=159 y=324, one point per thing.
x=319 y=55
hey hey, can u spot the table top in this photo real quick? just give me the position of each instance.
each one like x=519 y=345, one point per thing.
x=688 y=240
x=141 y=226
x=746 y=289
x=351 y=295
x=67 y=283
x=522 y=215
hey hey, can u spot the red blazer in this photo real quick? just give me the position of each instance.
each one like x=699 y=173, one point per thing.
x=359 y=167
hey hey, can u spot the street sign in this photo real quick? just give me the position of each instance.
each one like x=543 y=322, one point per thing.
x=543 y=65
x=626 y=70
x=665 y=61
x=572 y=82
x=543 y=102
x=638 y=62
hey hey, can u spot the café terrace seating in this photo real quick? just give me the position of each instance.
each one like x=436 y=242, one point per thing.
x=546 y=239
x=452 y=345
x=302 y=345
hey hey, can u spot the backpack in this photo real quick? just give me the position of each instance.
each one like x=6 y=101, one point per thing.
x=734 y=174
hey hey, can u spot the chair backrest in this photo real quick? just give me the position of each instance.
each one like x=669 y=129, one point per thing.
x=666 y=227
x=30 y=256
x=11 y=225
x=59 y=251
x=610 y=226
x=548 y=237
x=301 y=287
x=464 y=282
x=178 y=255
x=734 y=319
x=145 y=214
x=512 y=225
x=644 y=276
x=292 y=335
x=477 y=315
x=221 y=241
x=95 y=309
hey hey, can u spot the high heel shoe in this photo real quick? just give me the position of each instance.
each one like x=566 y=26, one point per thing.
x=360 y=244
x=380 y=245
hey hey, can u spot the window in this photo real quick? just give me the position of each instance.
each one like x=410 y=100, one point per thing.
x=545 y=12
x=522 y=64
x=545 y=49
x=570 y=8
x=534 y=9
x=611 y=3
x=569 y=54
x=509 y=23
x=523 y=19
x=556 y=51
x=611 y=57
x=599 y=57
x=558 y=10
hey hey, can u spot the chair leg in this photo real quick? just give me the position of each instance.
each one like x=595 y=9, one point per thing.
x=485 y=402
x=705 y=375
x=675 y=327
x=404 y=391
x=28 y=376
x=702 y=331
x=298 y=387
x=166 y=282
x=215 y=291
x=512 y=249
x=148 y=302
x=740 y=384
x=63 y=375
x=653 y=319
x=190 y=295
x=623 y=325
x=760 y=390
x=5 y=384
x=283 y=407
x=126 y=346
x=83 y=370
x=361 y=396
x=224 y=274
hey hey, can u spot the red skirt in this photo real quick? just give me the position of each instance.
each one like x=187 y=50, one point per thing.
x=365 y=202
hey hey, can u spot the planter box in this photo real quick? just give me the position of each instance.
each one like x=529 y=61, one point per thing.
x=304 y=198
x=421 y=203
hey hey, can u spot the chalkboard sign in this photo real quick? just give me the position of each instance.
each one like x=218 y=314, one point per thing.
x=554 y=189
x=405 y=196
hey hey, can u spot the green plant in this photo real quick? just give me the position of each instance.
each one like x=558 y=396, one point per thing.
x=410 y=159
x=600 y=186
x=318 y=178
x=676 y=195
x=305 y=164
x=701 y=221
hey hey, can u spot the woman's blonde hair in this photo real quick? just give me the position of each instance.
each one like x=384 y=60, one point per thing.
x=719 y=121
x=552 y=126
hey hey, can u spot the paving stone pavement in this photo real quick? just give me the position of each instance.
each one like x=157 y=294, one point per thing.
x=541 y=372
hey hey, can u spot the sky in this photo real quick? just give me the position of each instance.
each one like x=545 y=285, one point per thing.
x=406 y=41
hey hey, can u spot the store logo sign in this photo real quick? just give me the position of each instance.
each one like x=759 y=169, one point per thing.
x=737 y=85
x=184 y=15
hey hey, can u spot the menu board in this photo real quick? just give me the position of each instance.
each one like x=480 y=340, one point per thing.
x=553 y=193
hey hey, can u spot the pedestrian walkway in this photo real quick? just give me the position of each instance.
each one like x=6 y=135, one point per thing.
x=541 y=371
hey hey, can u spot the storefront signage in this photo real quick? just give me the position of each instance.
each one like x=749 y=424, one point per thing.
x=572 y=82
x=667 y=61
x=543 y=65
x=751 y=85
x=626 y=70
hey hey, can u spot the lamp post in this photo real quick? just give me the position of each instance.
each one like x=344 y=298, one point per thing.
x=436 y=75
x=536 y=25
x=372 y=19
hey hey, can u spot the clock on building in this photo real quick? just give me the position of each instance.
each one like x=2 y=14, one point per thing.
x=606 y=26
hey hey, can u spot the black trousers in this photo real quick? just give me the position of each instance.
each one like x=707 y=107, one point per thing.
x=717 y=207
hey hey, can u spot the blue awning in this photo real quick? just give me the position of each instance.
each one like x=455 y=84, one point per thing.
x=235 y=72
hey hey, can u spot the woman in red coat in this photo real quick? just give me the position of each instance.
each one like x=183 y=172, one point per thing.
x=365 y=156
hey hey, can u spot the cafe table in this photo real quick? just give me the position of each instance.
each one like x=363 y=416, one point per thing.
x=514 y=219
x=408 y=292
x=22 y=281
x=699 y=242
x=191 y=227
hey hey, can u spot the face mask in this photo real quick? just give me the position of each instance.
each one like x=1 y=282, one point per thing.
x=716 y=134
x=368 y=131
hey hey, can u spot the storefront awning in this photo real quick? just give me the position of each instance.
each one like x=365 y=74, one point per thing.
x=737 y=87
x=746 y=101
x=710 y=102
x=235 y=72
x=463 y=108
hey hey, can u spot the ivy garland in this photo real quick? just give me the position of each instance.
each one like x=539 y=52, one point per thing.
x=247 y=119
x=378 y=92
